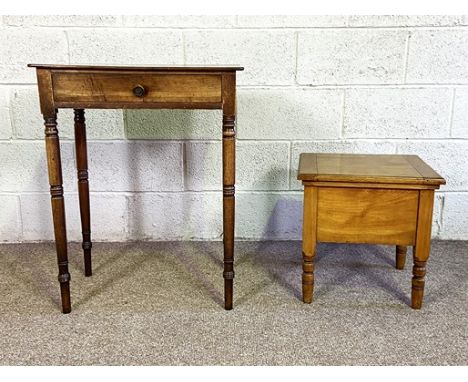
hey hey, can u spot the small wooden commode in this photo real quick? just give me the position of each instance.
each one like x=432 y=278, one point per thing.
x=375 y=199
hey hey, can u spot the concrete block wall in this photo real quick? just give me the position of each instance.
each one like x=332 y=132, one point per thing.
x=372 y=84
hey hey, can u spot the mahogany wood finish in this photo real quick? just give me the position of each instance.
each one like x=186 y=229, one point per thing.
x=119 y=88
x=54 y=164
x=378 y=199
x=83 y=186
x=229 y=179
x=110 y=87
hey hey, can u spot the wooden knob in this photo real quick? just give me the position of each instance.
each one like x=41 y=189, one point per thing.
x=139 y=90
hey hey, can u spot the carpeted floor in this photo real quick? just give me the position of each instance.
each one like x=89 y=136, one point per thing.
x=161 y=304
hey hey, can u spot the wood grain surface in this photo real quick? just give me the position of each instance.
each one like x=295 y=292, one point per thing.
x=377 y=168
x=351 y=215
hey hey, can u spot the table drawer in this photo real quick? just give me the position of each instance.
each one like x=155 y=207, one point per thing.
x=135 y=88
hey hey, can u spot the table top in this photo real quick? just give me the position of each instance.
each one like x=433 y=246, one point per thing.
x=376 y=168
x=181 y=68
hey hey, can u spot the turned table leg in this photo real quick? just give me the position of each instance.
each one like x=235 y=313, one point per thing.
x=309 y=242
x=228 y=206
x=229 y=180
x=400 y=258
x=58 y=206
x=422 y=247
x=83 y=186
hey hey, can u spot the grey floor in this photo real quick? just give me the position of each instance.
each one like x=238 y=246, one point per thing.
x=161 y=304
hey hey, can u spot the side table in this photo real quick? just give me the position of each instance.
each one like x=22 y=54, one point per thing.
x=122 y=87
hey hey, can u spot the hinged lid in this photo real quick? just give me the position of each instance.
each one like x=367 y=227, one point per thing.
x=374 y=168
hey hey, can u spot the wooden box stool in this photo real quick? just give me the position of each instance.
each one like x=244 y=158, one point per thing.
x=375 y=199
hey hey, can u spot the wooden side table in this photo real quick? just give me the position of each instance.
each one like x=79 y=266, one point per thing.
x=119 y=87
x=376 y=199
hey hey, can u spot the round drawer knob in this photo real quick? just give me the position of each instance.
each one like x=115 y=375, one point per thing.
x=139 y=90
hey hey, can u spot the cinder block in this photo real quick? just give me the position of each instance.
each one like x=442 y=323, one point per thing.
x=29 y=124
x=21 y=46
x=259 y=166
x=100 y=124
x=27 y=119
x=108 y=217
x=436 y=214
x=24 y=168
x=173 y=124
x=447 y=157
x=135 y=166
x=404 y=20
x=63 y=20
x=460 y=114
x=176 y=216
x=105 y=209
x=352 y=147
x=291 y=21
x=438 y=56
x=289 y=114
x=268 y=56
x=125 y=46
x=263 y=165
x=36 y=214
x=397 y=113
x=351 y=56
x=5 y=122
x=269 y=216
x=204 y=166
x=113 y=166
x=10 y=222
x=455 y=217
x=180 y=21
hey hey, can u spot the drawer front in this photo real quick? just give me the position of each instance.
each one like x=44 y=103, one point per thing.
x=353 y=215
x=135 y=88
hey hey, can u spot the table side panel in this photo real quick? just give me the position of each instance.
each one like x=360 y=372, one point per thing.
x=376 y=216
